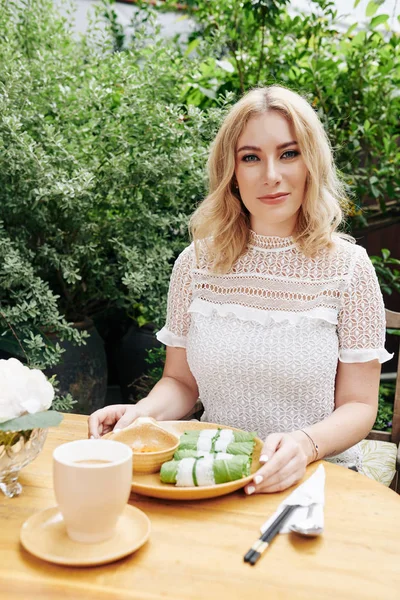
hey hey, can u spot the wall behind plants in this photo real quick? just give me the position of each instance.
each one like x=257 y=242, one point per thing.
x=100 y=164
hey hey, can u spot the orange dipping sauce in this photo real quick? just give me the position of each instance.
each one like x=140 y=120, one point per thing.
x=146 y=449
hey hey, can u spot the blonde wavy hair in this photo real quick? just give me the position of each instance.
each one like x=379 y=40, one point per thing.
x=221 y=221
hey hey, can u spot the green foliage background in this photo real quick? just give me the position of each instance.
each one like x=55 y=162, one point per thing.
x=104 y=139
x=100 y=165
x=351 y=77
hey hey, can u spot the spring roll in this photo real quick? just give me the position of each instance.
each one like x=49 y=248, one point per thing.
x=180 y=454
x=204 y=471
x=230 y=434
x=218 y=440
x=236 y=448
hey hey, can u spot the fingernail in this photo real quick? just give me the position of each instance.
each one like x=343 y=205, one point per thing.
x=250 y=490
x=116 y=430
x=92 y=437
x=263 y=458
x=258 y=479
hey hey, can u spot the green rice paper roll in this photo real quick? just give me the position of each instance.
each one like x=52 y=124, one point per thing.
x=217 y=440
x=238 y=436
x=204 y=471
x=180 y=454
x=234 y=448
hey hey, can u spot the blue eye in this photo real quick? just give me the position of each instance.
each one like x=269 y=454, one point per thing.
x=250 y=158
x=293 y=154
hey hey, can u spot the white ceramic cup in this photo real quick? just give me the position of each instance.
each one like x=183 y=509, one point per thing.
x=91 y=496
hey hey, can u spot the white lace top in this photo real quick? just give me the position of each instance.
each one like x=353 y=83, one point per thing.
x=263 y=341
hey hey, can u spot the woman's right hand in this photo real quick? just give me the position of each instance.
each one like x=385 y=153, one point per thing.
x=110 y=418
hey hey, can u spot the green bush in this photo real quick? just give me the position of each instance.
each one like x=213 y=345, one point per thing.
x=100 y=165
x=388 y=275
x=28 y=309
x=351 y=78
x=385 y=407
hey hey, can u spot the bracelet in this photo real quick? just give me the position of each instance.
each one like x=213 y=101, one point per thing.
x=315 y=446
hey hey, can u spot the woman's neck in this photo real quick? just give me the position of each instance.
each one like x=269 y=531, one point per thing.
x=282 y=230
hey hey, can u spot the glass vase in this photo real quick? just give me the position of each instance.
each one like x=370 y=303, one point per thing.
x=17 y=449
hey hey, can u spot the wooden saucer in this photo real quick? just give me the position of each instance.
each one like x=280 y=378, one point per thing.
x=44 y=535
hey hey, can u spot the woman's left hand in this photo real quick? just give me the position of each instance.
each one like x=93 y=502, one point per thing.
x=285 y=461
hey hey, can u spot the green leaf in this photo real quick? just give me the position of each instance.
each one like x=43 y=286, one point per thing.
x=372 y=7
x=192 y=46
x=207 y=92
x=226 y=65
x=359 y=38
x=44 y=419
x=11 y=347
x=182 y=18
x=141 y=320
x=375 y=191
x=378 y=20
x=356 y=3
x=393 y=331
x=351 y=29
x=385 y=253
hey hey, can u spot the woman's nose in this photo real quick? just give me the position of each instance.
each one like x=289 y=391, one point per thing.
x=272 y=175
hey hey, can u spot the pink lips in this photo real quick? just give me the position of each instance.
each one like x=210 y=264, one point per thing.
x=273 y=198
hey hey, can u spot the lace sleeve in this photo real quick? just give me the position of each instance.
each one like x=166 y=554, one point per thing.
x=361 y=322
x=179 y=298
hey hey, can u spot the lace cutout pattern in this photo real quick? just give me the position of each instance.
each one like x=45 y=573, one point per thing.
x=263 y=341
x=270 y=242
x=342 y=283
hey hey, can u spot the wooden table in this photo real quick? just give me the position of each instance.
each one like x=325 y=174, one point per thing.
x=196 y=548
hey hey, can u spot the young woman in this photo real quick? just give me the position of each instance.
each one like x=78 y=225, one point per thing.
x=275 y=321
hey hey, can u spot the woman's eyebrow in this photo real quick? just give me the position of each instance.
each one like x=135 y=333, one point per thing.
x=258 y=149
x=287 y=144
x=242 y=148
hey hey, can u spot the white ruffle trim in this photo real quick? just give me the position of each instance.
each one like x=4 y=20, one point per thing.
x=364 y=355
x=262 y=316
x=165 y=336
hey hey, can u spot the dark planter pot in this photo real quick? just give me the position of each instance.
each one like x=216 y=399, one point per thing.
x=82 y=371
x=130 y=357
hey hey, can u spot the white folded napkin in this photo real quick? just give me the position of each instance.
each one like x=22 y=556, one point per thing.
x=309 y=492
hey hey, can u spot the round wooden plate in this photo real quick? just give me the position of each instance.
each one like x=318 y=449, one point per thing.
x=150 y=484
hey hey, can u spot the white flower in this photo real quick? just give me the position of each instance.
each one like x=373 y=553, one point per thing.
x=22 y=390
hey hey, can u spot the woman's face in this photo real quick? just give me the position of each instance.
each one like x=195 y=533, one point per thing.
x=271 y=174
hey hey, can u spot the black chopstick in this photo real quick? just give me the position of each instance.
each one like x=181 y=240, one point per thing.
x=264 y=540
